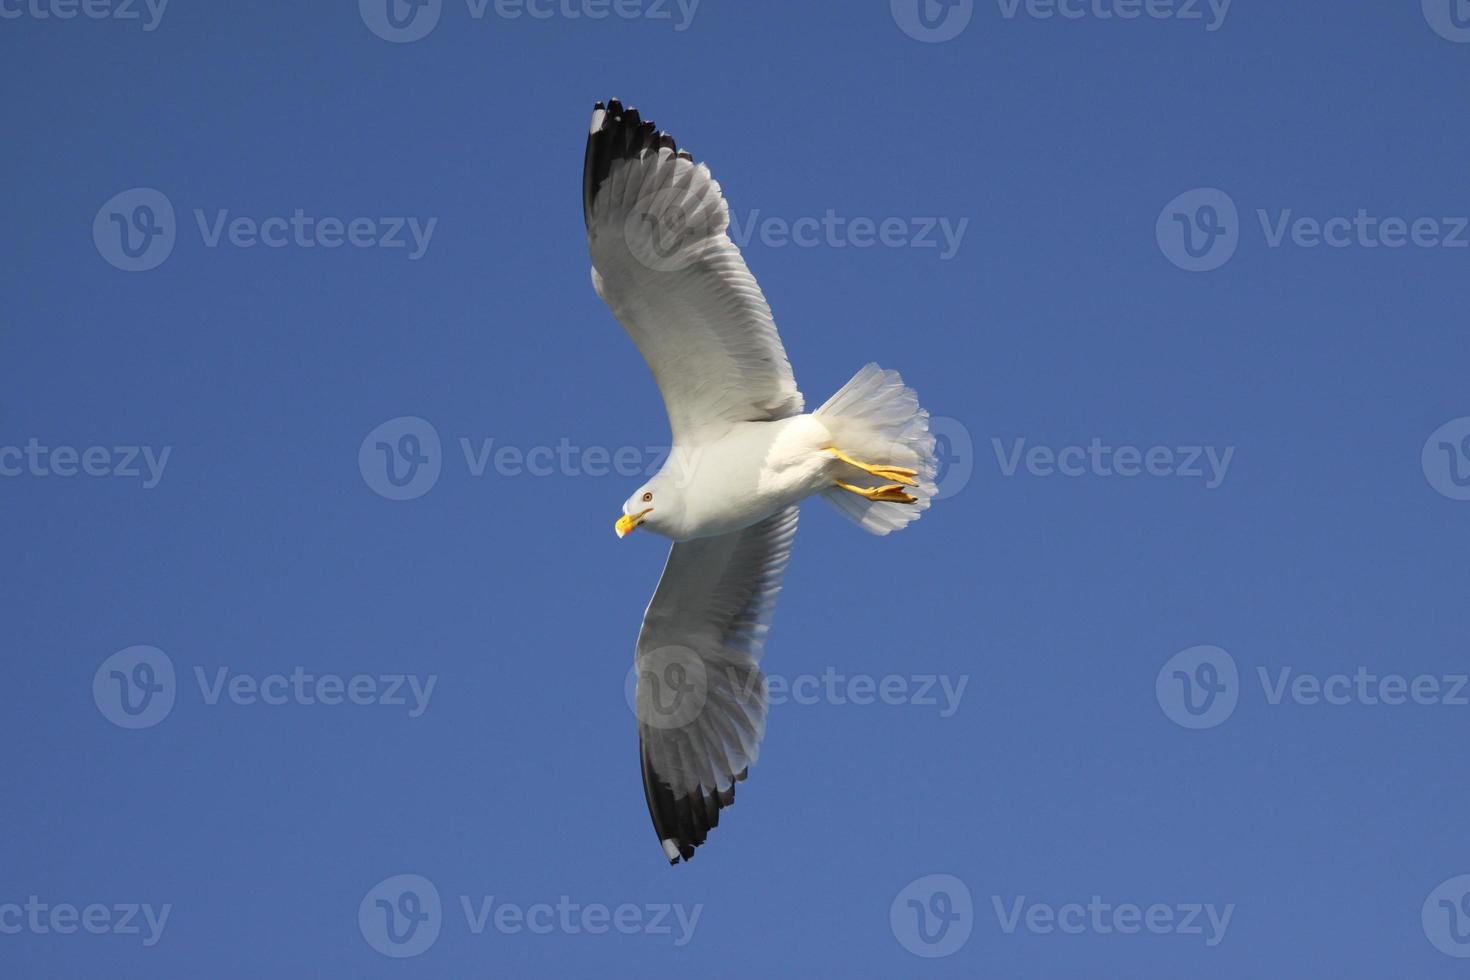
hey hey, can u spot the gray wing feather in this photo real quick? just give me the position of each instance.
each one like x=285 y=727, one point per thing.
x=700 y=697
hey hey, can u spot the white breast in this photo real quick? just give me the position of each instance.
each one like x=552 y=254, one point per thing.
x=755 y=470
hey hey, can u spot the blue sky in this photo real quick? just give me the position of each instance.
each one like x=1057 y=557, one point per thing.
x=1171 y=253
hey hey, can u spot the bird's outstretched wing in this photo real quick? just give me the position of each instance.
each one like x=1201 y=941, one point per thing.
x=700 y=698
x=662 y=260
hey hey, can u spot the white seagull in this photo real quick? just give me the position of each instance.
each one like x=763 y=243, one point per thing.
x=744 y=457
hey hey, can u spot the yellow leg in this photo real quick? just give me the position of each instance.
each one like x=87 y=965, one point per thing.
x=892 y=493
x=899 y=474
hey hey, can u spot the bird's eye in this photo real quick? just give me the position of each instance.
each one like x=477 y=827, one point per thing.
x=647 y=497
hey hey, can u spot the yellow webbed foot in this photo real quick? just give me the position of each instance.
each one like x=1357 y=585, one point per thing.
x=891 y=493
x=898 y=474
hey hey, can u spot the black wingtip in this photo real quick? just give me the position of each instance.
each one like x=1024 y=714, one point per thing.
x=682 y=823
x=617 y=133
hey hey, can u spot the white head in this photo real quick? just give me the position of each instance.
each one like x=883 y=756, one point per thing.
x=657 y=505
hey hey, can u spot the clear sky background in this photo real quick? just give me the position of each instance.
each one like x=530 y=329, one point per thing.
x=1063 y=317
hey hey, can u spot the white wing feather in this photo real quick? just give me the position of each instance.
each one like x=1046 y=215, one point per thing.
x=663 y=261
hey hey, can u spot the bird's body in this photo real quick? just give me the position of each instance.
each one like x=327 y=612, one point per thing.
x=768 y=465
x=745 y=455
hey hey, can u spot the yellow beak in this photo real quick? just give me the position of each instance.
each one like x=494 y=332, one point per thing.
x=627 y=522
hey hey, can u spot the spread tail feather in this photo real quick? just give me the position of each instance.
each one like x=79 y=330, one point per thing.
x=876 y=418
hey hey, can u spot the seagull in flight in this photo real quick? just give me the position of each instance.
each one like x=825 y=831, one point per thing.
x=745 y=454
